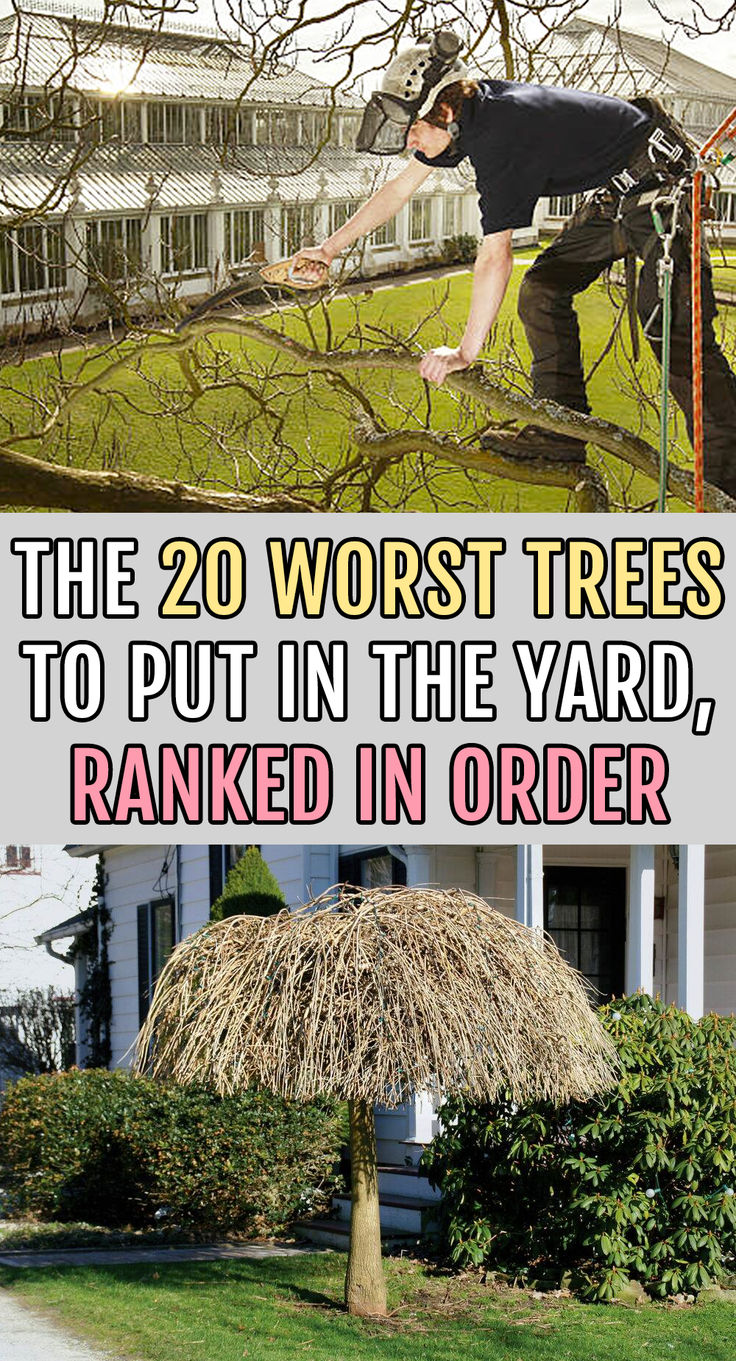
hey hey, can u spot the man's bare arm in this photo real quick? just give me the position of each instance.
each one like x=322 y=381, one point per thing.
x=379 y=208
x=491 y=275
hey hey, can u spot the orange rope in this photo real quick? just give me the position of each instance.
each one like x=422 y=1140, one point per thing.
x=697 y=339
x=728 y=125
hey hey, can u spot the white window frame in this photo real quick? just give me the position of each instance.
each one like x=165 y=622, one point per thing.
x=422 y=203
x=169 y=268
x=42 y=259
x=128 y=234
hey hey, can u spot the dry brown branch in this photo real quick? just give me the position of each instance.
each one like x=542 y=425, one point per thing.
x=27 y=481
x=373 y=996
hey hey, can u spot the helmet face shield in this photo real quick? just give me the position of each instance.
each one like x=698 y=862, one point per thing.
x=385 y=126
x=408 y=90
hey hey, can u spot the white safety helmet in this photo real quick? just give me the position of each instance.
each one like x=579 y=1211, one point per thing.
x=408 y=90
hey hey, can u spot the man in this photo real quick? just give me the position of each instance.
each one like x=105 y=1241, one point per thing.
x=525 y=142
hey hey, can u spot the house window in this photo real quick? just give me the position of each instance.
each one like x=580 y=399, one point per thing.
x=245 y=232
x=155 y=942
x=184 y=243
x=175 y=124
x=371 y=869
x=15 y=859
x=340 y=212
x=113 y=119
x=33 y=259
x=347 y=132
x=585 y=914
x=420 y=220
x=297 y=227
x=51 y=119
x=222 y=859
x=385 y=235
x=114 y=248
x=314 y=129
x=724 y=205
x=450 y=215
x=220 y=123
x=564 y=205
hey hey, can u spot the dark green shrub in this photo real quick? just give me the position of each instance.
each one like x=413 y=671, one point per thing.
x=459 y=250
x=250 y=887
x=635 y=1186
x=111 y=1149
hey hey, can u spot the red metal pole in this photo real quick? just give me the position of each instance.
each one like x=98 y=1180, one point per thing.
x=697 y=339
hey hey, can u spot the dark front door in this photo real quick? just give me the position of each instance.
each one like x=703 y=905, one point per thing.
x=585 y=914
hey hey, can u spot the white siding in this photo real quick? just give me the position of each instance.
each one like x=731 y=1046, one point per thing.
x=194 y=898
x=303 y=872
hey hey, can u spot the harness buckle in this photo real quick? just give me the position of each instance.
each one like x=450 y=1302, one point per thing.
x=670 y=150
x=624 y=181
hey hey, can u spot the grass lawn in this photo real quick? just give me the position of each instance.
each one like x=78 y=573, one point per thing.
x=146 y=420
x=285 y=1308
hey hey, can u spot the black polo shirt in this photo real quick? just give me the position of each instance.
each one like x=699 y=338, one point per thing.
x=526 y=142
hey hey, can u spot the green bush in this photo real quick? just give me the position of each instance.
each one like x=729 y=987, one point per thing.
x=112 y=1149
x=637 y=1185
x=459 y=250
x=250 y=887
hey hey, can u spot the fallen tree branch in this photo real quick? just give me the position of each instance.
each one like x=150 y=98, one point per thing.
x=27 y=481
x=30 y=480
x=584 y=483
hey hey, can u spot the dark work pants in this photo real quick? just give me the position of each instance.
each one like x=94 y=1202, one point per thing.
x=586 y=246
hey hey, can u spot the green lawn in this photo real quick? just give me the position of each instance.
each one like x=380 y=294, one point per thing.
x=148 y=420
x=281 y=1309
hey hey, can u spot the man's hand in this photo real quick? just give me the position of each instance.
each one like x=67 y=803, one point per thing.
x=312 y=262
x=436 y=364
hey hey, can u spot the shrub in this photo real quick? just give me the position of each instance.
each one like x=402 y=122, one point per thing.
x=635 y=1186
x=250 y=887
x=112 y=1149
x=459 y=250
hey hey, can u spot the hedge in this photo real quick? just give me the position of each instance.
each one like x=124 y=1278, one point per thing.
x=636 y=1186
x=111 y=1149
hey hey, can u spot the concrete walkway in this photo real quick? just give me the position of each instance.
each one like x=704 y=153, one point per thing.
x=133 y=1256
x=26 y=1336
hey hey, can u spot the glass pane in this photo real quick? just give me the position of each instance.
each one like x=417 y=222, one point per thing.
x=133 y=245
x=567 y=944
x=132 y=121
x=174 y=123
x=163 y=934
x=7 y=281
x=376 y=871
x=31 y=266
x=561 y=914
x=156 y=123
x=594 y=952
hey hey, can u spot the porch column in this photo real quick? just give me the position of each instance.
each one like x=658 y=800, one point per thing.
x=529 y=903
x=691 y=930
x=640 y=935
x=419 y=865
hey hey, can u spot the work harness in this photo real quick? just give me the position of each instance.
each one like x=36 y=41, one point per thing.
x=669 y=175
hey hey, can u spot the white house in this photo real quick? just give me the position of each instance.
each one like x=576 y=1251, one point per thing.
x=657 y=918
x=130 y=164
x=38 y=886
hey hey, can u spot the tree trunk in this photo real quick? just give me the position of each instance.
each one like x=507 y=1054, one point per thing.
x=365 y=1284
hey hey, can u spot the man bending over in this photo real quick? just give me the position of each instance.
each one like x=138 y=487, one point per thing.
x=525 y=142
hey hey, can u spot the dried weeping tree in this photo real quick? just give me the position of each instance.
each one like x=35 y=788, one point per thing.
x=371 y=996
